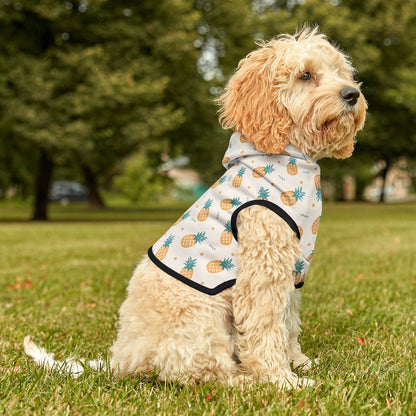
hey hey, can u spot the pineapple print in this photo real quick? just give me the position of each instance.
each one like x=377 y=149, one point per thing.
x=230 y=203
x=315 y=225
x=262 y=171
x=300 y=231
x=317 y=180
x=188 y=268
x=192 y=239
x=219 y=181
x=292 y=169
x=217 y=266
x=238 y=179
x=227 y=235
x=263 y=193
x=298 y=270
x=203 y=214
x=183 y=217
x=290 y=198
x=309 y=258
x=225 y=160
x=163 y=251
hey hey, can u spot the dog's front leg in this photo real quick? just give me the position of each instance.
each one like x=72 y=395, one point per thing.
x=300 y=360
x=268 y=249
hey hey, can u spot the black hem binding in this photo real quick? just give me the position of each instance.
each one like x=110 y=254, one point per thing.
x=275 y=208
x=187 y=281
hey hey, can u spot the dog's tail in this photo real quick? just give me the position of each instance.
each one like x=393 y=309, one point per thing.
x=71 y=366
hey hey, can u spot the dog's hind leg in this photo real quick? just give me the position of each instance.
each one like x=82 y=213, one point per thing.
x=268 y=249
x=173 y=329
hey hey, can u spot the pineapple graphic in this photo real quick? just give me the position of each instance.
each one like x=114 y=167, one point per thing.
x=192 y=239
x=315 y=225
x=309 y=258
x=217 y=266
x=225 y=160
x=163 y=251
x=227 y=235
x=238 y=179
x=230 y=203
x=300 y=231
x=290 y=198
x=220 y=181
x=298 y=270
x=292 y=169
x=183 y=217
x=262 y=171
x=203 y=214
x=263 y=193
x=317 y=180
x=188 y=268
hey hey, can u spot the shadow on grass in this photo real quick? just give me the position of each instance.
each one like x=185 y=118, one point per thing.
x=83 y=213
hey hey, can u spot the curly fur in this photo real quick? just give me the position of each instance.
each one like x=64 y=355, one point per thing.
x=249 y=332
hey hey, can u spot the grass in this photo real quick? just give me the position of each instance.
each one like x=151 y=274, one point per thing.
x=62 y=282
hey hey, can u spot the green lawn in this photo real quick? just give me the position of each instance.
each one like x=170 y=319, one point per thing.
x=62 y=282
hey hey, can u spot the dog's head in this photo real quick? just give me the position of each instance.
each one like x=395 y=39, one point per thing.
x=295 y=90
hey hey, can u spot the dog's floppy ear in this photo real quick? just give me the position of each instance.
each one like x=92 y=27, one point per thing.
x=250 y=103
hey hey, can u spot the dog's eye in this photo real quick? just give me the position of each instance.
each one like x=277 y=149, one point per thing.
x=306 y=76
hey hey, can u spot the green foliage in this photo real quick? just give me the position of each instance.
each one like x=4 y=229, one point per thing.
x=92 y=83
x=140 y=182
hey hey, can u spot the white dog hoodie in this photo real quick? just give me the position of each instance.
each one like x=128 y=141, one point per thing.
x=200 y=249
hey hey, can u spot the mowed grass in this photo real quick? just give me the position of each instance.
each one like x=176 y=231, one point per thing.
x=63 y=282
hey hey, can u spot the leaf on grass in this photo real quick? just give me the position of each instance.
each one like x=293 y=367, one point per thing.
x=350 y=312
x=91 y=305
x=359 y=277
x=360 y=340
x=10 y=370
x=209 y=396
x=20 y=285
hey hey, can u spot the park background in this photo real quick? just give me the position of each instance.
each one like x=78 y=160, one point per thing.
x=119 y=97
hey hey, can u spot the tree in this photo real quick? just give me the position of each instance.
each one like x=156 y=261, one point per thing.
x=79 y=82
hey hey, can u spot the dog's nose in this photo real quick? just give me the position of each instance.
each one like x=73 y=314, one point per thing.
x=350 y=95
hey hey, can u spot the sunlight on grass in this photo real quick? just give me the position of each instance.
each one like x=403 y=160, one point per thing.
x=63 y=282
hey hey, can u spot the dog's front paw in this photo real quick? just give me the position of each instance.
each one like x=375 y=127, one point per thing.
x=304 y=364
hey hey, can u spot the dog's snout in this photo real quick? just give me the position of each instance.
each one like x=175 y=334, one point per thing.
x=350 y=95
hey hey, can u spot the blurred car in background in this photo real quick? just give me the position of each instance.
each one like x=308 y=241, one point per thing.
x=68 y=191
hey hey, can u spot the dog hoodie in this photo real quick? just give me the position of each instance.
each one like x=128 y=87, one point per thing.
x=200 y=249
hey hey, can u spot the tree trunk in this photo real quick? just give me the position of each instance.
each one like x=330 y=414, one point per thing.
x=42 y=185
x=383 y=185
x=90 y=178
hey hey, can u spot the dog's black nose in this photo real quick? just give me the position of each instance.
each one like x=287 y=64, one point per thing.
x=350 y=95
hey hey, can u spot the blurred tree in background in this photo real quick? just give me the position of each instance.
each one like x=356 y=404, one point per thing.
x=86 y=84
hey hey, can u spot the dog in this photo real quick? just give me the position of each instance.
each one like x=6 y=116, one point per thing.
x=217 y=297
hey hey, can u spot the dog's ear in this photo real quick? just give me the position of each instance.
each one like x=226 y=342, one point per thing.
x=251 y=104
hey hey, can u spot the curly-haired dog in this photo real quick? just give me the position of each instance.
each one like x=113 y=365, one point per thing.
x=216 y=298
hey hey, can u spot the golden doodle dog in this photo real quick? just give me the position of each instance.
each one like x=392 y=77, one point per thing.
x=217 y=297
